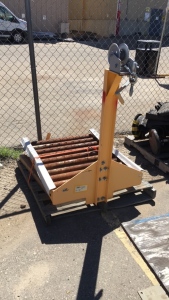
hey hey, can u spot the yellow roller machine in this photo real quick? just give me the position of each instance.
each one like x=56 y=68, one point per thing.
x=72 y=169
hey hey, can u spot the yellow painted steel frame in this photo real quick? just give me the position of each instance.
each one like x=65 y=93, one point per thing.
x=97 y=182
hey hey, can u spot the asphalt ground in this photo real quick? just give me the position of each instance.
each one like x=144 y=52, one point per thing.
x=87 y=256
x=70 y=81
x=82 y=257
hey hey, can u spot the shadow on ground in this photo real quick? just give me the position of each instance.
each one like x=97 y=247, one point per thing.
x=155 y=174
x=88 y=228
x=165 y=86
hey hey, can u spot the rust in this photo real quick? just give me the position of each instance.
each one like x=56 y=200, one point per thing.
x=69 y=156
x=78 y=150
x=62 y=143
x=71 y=162
x=68 y=169
x=65 y=176
x=66 y=157
x=59 y=183
x=62 y=148
x=58 y=140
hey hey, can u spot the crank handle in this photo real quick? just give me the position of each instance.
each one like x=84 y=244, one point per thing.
x=131 y=90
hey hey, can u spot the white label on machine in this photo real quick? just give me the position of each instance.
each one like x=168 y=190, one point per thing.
x=81 y=188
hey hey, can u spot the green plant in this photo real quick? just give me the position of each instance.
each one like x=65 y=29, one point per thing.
x=9 y=153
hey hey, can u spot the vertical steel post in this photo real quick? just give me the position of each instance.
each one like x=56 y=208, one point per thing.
x=161 y=40
x=33 y=68
x=118 y=14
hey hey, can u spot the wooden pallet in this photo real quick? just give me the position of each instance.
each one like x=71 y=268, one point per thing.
x=47 y=209
x=161 y=161
x=128 y=197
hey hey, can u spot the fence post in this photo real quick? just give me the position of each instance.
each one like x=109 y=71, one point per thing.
x=161 y=40
x=33 y=68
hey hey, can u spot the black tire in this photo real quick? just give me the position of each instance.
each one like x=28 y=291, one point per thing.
x=137 y=116
x=17 y=37
x=154 y=141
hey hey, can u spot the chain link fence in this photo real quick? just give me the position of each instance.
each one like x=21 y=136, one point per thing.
x=71 y=39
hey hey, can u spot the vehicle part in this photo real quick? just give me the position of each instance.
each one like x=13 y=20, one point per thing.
x=138 y=134
x=17 y=36
x=156 y=124
x=154 y=141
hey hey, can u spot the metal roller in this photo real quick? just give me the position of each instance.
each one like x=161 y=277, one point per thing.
x=124 y=53
x=113 y=50
x=120 y=63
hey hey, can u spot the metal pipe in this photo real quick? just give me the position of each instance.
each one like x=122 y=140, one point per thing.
x=161 y=40
x=62 y=148
x=68 y=152
x=59 y=140
x=33 y=68
x=67 y=157
x=70 y=162
x=62 y=143
x=65 y=176
x=59 y=183
x=68 y=169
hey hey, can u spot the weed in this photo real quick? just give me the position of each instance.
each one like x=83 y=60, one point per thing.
x=9 y=153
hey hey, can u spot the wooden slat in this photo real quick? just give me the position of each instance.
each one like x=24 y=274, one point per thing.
x=76 y=207
x=146 y=152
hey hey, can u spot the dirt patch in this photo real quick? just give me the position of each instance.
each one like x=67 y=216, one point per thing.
x=12 y=199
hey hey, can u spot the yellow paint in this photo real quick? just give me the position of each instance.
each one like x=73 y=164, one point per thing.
x=67 y=191
x=122 y=177
x=134 y=253
x=107 y=128
x=103 y=177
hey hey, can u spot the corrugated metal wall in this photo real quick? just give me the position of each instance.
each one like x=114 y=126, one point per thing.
x=133 y=14
x=92 y=16
x=87 y=15
x=134 y=9
x=46 y=14
x=49 y=14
